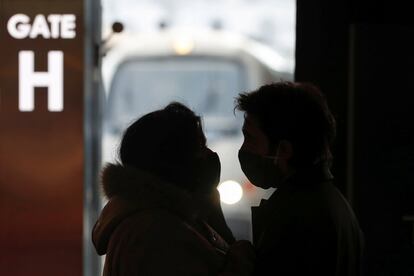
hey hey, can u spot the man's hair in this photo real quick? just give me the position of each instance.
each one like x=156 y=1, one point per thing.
x=164 y=142
x=297 y=112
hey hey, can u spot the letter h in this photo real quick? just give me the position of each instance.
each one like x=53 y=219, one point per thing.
x=29 y=79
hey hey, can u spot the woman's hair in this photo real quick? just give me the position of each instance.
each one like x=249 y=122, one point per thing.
x=164 y=142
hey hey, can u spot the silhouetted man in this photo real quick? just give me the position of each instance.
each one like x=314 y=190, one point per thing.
x=306 y=227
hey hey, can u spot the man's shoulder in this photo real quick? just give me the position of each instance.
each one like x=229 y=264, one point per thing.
x=306 y=206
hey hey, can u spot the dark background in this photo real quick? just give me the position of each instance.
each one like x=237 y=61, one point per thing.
x=360 y=53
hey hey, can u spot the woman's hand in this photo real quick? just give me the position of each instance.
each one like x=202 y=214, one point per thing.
x=240 y=259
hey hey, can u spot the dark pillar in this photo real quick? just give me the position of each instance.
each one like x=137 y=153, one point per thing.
x=360 y=53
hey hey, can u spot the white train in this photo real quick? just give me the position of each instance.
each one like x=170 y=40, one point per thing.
x=204 y=70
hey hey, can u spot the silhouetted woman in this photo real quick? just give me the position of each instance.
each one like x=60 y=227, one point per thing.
x=163 y=215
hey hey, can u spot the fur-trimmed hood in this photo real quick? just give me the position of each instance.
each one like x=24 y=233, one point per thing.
x=130 y=190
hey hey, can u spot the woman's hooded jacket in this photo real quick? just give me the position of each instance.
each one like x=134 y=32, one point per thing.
x=152 y=227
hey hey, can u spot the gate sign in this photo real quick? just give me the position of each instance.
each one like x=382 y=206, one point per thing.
x=41 y=137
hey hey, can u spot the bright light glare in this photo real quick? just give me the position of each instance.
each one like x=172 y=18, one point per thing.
x=183 y=45
x=230 y=192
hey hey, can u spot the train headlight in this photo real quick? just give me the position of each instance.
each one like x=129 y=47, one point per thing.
x=230 y=192
x=183 y=45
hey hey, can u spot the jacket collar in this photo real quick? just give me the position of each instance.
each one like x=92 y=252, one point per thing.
x=130 y=190
x=304 y=177
x=314 y=174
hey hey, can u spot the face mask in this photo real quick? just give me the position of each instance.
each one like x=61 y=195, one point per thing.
x=261 y=171
x=207 y=172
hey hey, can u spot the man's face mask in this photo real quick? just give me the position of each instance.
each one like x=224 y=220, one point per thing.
x=261 y=171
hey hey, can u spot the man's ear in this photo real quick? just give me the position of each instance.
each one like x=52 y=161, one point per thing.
x=284 y=155
x=284 y=150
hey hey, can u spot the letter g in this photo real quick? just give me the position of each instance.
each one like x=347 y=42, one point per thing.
x=18 y=26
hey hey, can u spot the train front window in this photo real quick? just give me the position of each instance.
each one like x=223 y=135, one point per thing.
x=206 y=86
